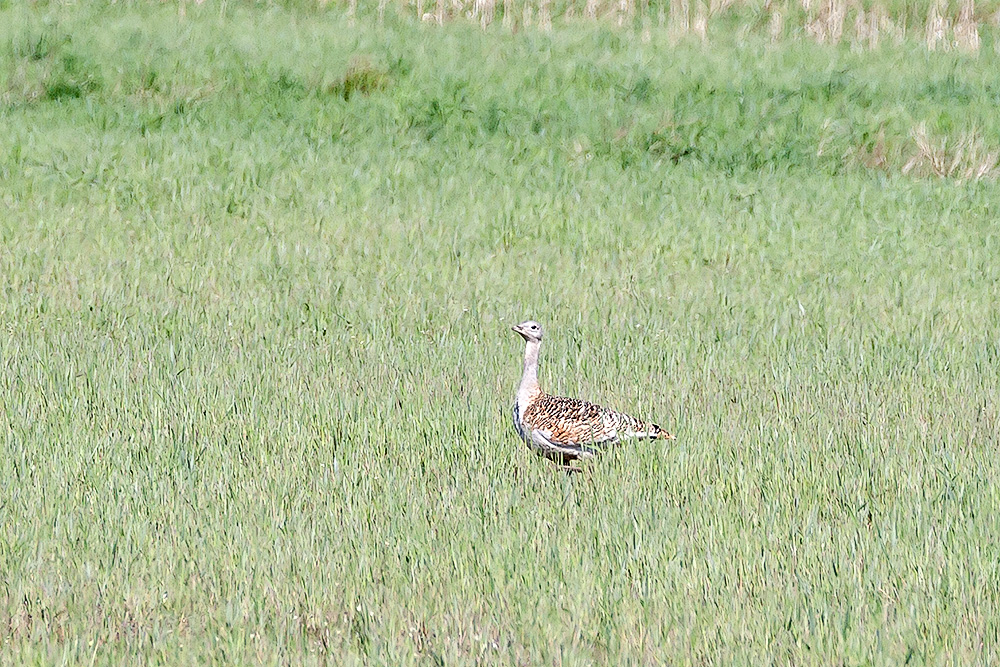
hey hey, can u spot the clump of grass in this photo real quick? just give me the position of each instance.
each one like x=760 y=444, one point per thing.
x=945 y=33
x=966 y=158
x=46 y=68
x=828 y=25
x=71 y=78
x=874 y=153
x=362 y=77
x=36 y=46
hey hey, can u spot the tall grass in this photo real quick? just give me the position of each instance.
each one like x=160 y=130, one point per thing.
x=257 y=267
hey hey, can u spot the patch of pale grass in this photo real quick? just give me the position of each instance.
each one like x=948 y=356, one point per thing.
x=966 y=158
x=680 y=18
x=719 y=6
x=776 y=25
x=966 y=29
x=943 y=33
x=486 y=10
x=868 y=26
x=626 y=8
x=865 y=25
x=828 y=25
x=700 y=24
x=937 y=27
x=545 y=15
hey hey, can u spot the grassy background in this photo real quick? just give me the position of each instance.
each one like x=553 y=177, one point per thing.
x=257 y=268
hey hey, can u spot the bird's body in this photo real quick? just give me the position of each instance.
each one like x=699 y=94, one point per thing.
x=565 y=429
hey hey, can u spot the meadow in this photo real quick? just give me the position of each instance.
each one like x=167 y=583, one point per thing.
x=258 y=265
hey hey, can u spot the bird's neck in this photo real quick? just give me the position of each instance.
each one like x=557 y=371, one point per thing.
x=528 y=388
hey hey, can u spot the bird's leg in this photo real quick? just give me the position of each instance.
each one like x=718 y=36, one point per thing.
x=568 y=467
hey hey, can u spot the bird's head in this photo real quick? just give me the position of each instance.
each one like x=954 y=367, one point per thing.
x=529 y=330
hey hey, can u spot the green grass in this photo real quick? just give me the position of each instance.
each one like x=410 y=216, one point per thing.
x=256 y=371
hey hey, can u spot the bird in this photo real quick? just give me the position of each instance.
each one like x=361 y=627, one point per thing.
x=567 y=429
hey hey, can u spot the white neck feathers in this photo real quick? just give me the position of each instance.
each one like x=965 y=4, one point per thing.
x=529 y=378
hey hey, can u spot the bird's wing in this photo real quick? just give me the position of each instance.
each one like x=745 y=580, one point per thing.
x=571 y=422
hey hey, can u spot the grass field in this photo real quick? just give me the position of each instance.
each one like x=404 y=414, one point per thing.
x=257 y=271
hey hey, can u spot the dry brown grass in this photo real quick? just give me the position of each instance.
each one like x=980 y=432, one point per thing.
x=864 y=24
x=680 y=18
x=966 y=29
x=967 y=157
x=545 y=15
x=828 y=24
x=776 y=25
x=486 y=11
x=875 y=155
x=869 y=26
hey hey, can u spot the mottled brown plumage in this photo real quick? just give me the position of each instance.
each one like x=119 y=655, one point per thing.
x=564 y=429
x=576 y=421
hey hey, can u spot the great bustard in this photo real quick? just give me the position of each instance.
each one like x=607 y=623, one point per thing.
x=565 y=429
